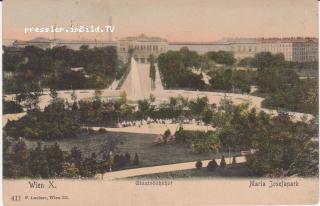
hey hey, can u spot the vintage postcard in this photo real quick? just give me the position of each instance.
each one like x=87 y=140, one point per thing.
x=172 y=102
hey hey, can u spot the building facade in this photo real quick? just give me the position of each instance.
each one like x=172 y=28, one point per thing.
x=141 y=48
x=200 y=47
x=44 y=43
x=293 y=49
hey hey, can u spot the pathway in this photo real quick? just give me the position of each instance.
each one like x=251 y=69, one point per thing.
x=160 y=169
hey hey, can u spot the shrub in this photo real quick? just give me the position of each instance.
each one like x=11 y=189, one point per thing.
x=234 y=160
x=11 y=107
x=91 y=131
x=212 y=165
x=222 y=162
x=127 y=157
x=136 y=159
x=102 y=131
x=198 y=164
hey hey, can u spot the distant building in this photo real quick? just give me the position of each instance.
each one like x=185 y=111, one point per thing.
x=200 y=47
x=141 y=48
x=294 y=49
x=45 y=43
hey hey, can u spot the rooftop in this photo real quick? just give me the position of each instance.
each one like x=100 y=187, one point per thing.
x=143 y=38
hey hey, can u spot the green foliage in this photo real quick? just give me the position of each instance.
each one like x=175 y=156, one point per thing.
x=200 y=142
x=46 y=162
x=212 y=165
x=36 y=68
x=53 y=123
x=175 y=69
x=306 y=162
x=198 y=106
x=198 y=164
x=11 y=107
x=222 y=57
x=231 y=80
x=136 y=159
x=55 y=159
x=144 y=108
x=222 y=162
x=234 y=160
x=70 y=170
x=280 y=84
x=264 y=60
x=221 y=79
x=38 y=163
x=152 y=71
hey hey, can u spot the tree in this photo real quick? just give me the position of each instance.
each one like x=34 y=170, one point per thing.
x=207 y=116
x=55 y=160
x=73 y=96
x=175 y=69
x=264 y=60
x=152 y=71
x=123 y=97
x=221 y=79
x=53 y=94
x=197 y=107
x=166 y=135
x=76 y=156
x=38 y=164
x=222 y=57
x=198 y=164
x=20 y=157
x=144 y=108
x=97 y=99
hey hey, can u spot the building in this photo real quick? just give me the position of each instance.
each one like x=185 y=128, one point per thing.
x=45 y=43
x=294 y=49
x=200 y=47
x=141 y=47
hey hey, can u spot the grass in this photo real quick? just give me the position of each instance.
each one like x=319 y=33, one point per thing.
x=149 y=154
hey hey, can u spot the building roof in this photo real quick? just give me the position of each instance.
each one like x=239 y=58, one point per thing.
x=143 y=38
x=288 y=40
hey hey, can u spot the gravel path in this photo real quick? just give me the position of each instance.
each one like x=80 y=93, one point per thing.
x=160 y=169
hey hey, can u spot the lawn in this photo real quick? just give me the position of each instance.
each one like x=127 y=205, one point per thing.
x=149 y=154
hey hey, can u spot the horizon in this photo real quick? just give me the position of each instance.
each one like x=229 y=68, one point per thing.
x=216 y=41
x=183 y=21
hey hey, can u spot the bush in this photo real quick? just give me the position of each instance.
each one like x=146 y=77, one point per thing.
x=222 y=162
x=234 y=160
x=136 y=159
x=91 y=131
x=84 y=130
x=198 y=164
x=11 y=107
x=102 y=131
x=127 y=157
x=212 y=165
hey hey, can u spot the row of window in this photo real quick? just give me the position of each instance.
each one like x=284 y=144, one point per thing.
x=154 y=48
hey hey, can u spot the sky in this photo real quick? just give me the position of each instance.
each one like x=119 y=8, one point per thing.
x=174 y=20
